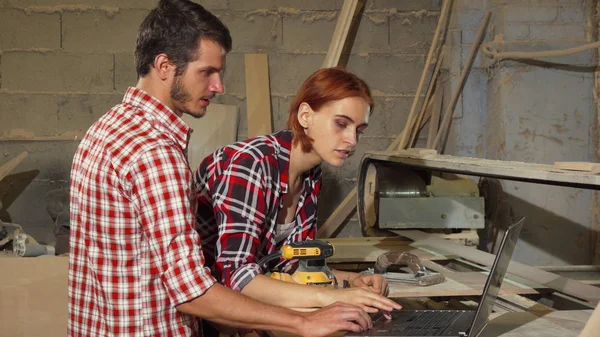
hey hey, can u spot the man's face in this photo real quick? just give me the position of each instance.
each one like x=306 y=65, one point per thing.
x=192 y=91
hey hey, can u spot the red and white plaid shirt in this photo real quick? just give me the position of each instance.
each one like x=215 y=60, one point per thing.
x=134 y=252
x=240 y=190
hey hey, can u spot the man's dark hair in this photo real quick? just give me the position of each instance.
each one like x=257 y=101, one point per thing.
x=175 y=28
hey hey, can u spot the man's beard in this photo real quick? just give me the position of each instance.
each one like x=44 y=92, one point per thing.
x=180 y=97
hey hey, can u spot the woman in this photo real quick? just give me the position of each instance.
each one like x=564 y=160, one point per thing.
x=257 y=195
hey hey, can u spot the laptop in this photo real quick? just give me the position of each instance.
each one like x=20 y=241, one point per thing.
x=457 y=323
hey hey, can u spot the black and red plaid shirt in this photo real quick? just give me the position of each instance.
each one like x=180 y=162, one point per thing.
x=135 y=254
x=240 y=190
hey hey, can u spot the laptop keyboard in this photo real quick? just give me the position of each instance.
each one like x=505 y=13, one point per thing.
x=428 y=323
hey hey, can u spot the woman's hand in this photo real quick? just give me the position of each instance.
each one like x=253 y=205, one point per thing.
x=364 y=298
x=373 y=282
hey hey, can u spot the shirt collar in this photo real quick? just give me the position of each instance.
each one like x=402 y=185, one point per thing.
x=284 y=151
x=158 y=114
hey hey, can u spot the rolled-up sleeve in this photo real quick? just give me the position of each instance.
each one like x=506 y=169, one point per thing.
x=240 y=204
x=161 y=186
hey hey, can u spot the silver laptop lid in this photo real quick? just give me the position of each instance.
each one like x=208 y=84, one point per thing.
x=494 y=280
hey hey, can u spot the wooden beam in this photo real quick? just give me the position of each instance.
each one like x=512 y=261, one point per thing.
x=6 y=168
x=593 y=325
x=499 y=169
x=27 y=136
x=434 y=121
x=344 y=210
x=368 y=249
x=432 y=49
x=218 y=128
x=340 y=34
x=348 y=205
x=258 y=95
x=33 y=296
x=427 y=101
x=578 y=166
x=550 y=280
x=463 y=79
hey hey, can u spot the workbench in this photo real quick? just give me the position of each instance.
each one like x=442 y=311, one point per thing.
x=34 y=300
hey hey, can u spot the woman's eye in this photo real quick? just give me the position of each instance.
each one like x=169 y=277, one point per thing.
x=340 y=124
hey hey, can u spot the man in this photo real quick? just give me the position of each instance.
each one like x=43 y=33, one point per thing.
x=136 y=265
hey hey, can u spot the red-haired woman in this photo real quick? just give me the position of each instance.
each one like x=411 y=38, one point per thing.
x=257 y=195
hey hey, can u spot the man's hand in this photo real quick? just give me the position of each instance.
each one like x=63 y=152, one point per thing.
x=332 y=318
x=376 y=283
x=366 y=299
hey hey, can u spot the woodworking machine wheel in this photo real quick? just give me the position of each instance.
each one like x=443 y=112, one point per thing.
x=386 y=180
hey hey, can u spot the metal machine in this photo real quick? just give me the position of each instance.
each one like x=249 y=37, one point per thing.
x=392 y=195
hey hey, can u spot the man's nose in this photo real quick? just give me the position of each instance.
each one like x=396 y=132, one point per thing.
x=217 y=85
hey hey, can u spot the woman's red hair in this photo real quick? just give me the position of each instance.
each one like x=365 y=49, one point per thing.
x=321 y=88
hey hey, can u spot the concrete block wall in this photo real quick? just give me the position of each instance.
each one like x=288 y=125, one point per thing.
x=532 y=112
x=63 y=63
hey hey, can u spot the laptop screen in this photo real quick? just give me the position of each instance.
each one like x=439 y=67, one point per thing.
x=494 y=280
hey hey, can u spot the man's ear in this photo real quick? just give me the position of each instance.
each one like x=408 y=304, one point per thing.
x=163 y=66
x=305 y=113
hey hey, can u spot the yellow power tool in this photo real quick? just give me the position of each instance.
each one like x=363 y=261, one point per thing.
x=312 y=268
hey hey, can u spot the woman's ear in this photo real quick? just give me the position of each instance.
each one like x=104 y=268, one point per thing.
x=304 y=114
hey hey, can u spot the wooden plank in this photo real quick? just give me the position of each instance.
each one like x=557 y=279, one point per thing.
x=456 y=284
x=567 y=323
x=340 y=34
x=258 y=95
x=463 y=79
x=464 y=237
x=374 y=241
x=33 y=296
x=344 y=210
x=595 y=229
x=571 y=268
x=578 y=166
x=6 y=168
x=411 y=115
x=216 y=129
x=434 y=121
x=368 y=249
x=27 y=136
x=550 y=280
x=593 y=325
x=589 y=274
x=428 y=99
x=501 y=169
x=525 y=304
